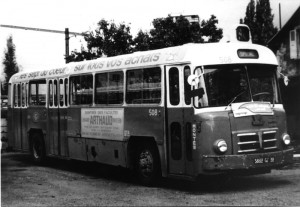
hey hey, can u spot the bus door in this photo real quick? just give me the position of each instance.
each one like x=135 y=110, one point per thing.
x=17 y=116
x=53 y=117
x=62 y=114
x=57 y=116
x=179 y=115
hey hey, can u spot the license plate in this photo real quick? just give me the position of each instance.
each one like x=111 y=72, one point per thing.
x=264 y=160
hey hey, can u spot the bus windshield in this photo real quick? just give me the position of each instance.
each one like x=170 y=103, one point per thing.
x=238 y=83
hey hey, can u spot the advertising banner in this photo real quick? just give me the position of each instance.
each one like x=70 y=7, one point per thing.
x=105 y=123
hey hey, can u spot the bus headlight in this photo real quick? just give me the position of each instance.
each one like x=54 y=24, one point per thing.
x=286 y=139
x=220 y=146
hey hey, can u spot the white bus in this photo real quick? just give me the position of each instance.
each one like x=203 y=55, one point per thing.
x=176 y=112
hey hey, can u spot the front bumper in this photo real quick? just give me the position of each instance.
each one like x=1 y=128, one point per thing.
x=268 y=160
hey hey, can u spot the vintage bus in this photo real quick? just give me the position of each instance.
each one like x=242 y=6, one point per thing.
x=180 y=112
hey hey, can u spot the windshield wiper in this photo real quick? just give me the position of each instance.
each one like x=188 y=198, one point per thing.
x=235 y=98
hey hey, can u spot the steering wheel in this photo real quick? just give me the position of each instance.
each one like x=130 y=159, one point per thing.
x=261 y=94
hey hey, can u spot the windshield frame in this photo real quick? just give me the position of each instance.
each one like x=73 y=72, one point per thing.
x=203 y=102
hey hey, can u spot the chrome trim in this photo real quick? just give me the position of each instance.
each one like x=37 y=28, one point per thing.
x=269 y=132
x=246 y=134
x=250 y=142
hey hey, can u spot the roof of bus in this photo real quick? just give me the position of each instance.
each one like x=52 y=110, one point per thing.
x=196 y=54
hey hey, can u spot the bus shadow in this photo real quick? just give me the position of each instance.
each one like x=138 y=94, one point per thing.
x=211 y=184
x=234 y=184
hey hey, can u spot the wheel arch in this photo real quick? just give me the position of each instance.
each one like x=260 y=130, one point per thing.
x=132 y=147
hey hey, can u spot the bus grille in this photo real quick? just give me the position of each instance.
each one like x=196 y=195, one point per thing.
x=256 y=142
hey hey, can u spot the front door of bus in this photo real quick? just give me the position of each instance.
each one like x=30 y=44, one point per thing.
x=179 y=113
x=56 y=117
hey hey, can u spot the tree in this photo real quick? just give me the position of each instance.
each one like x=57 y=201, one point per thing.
x=142 y=41
x=108 y=40
x=9 y=62
x=250 y=16
x=260 y=21
x=171 y=31
x=167 y=32
x=209 y=29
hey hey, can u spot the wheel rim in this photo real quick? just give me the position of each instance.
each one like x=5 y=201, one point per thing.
x=146 y=163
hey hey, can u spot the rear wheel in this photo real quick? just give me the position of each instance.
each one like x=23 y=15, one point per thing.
x=38 y=149
x=147 y=165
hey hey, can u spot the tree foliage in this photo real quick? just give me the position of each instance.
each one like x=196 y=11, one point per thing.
x=110 y=39
x=168 y=32
x=259 y=18
x=210 y=29
x=9 y=62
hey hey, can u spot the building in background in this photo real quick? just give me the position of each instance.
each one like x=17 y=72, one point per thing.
x=193 y=19
x=286 y=45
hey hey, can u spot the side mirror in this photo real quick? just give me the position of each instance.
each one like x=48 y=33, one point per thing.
x=193 y=80
x=286 y=80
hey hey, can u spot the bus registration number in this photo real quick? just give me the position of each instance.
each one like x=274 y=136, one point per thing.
x=264 y=160
x=154 y=112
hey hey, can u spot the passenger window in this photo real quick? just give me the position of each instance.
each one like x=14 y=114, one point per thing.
x=15 y=95
x=50 y=93
x=66 y=91
x=109 y=88
x=61 y=92
x=23 y=95
x=143 y=86
x=174 y=86
x=19 y=95
x=81 y=90
x=37 y=92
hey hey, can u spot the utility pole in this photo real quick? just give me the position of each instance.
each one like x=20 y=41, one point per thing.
x=279 y=16
x=66 y=32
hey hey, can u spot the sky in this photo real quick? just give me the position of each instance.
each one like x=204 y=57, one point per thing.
x=41 y=50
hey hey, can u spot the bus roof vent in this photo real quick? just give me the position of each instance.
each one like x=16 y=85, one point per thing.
x=237 y=33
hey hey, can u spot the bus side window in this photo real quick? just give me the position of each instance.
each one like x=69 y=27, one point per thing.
x=55 y=90
x=187 y=87
x=23 y=95
x=37 y=92
x=15 y=95
x=66 y=91
x=174 y=86
x=26 y=94
x=19 y=95
x=81 y=91
x=143 y=86
x=50 y=93
x=101 y=82
x=61 y=92
x=115 y=88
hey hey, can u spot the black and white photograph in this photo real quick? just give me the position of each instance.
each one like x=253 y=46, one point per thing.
x=150 y=103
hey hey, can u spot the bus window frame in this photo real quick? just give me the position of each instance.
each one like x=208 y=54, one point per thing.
x=71 y=87
x=162 y=87
x=38 y=81
x=108 y=73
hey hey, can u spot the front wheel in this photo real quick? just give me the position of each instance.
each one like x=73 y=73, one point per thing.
x=147 y=166
x=38 y=149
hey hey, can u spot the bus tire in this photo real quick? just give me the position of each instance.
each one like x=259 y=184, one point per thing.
x=38 y=152
x=147 y=165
